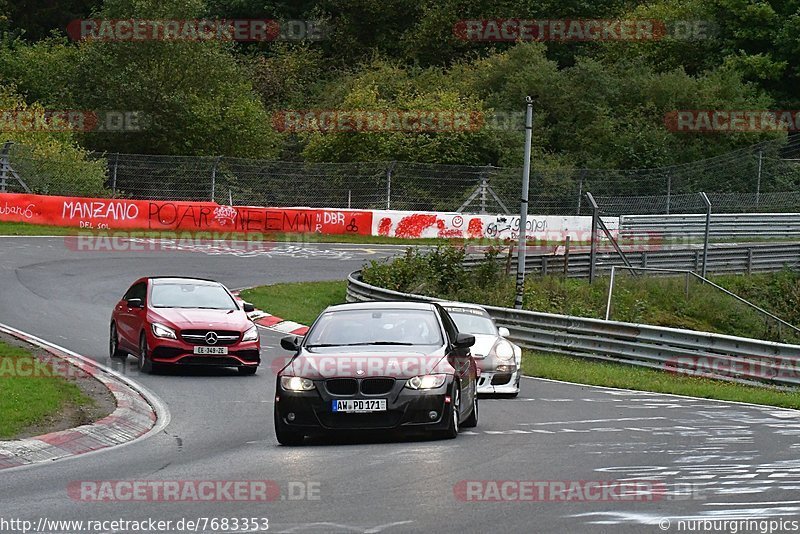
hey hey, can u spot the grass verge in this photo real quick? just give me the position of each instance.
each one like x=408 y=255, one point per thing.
x=300 y=302
x=303 y=301
x=26 y=401
x=598 y=373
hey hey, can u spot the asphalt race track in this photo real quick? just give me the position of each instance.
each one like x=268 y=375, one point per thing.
x=716 y=460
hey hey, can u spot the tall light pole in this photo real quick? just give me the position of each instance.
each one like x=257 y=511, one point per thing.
x=523 y=207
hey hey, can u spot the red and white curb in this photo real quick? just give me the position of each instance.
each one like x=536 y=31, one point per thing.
x=272 y=322
x=139 y=413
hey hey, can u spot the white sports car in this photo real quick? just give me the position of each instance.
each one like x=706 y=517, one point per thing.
x=498 y=359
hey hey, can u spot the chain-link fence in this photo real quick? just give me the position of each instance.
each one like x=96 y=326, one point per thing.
x=759 y=178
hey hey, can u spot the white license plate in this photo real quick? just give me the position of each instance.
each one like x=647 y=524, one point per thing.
x=211 y=350
x=359 y=406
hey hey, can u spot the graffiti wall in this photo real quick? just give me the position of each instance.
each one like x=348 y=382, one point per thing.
x=553 y=228
x=117 y=214
x=121 y=214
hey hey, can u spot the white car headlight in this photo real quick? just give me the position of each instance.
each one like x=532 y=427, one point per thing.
x=426 y=381
x=296 y=383
x=503 y=350
x=251 y=334
x=159 y=330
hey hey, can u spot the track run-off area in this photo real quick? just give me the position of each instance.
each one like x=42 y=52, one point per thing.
x=708 y=460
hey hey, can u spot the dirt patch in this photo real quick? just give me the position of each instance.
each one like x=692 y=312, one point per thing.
x=101 y=401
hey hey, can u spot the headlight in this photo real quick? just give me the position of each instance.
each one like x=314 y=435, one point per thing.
x=426 y=381
x=503 y=350
x=296 y=383
x=159 y=330
x=506 y=368
x=251 y=334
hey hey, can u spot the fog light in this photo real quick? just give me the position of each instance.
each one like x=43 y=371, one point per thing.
x=432 y=416
x=290 y=416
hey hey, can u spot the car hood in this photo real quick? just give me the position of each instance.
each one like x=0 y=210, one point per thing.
x=193 y=318
x=363 y=362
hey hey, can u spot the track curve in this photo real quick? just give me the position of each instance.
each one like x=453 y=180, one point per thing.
x=716 y=459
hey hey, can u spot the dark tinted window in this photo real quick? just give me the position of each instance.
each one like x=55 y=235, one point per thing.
x=374 y=326
x=136 y=291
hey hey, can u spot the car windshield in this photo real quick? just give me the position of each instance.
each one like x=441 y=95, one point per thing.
x=191 y=295
x=375 y=327
x=472 y=321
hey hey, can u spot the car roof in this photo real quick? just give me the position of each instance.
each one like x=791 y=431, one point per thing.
x=467 y=305
x=178 y=279
x=382 y=305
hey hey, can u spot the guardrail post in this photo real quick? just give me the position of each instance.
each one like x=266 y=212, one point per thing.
x=566 y=256
x=749 y=261
x=544 y=265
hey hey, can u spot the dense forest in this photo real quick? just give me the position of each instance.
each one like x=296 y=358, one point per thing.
x=598 y=103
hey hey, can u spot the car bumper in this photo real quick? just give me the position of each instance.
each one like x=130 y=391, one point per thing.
x=491 y=382
x=406 y=409
x=169 y=352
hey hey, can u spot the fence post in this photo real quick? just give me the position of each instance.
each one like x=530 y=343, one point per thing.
x=580 y=191
x=610 y=291
x=484 y=188
x=389 y=172
x=708 y=231
x=214 y=177
x=758 y=179
x=4 y=165
x=669 y=191
x=114 y=176
x=593 y=247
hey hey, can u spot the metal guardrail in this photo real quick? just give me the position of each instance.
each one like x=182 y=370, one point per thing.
x=722 y=259
x=707 y=354
x=723 y=225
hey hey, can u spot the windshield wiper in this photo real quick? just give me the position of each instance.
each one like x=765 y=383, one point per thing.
x=363 y=343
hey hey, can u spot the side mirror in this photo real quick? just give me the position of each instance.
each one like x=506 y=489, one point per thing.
x=290 y=343
x=135 y=303
x=248 y=308
x=503 y=331
x=464 y=341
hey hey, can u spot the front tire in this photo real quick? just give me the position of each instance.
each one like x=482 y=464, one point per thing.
x=114 y=351
x=455 y=414
x=472 y=420
x=286 y=436
x=145 y=363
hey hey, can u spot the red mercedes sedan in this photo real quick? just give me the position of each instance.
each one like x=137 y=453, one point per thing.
x=184 y=321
